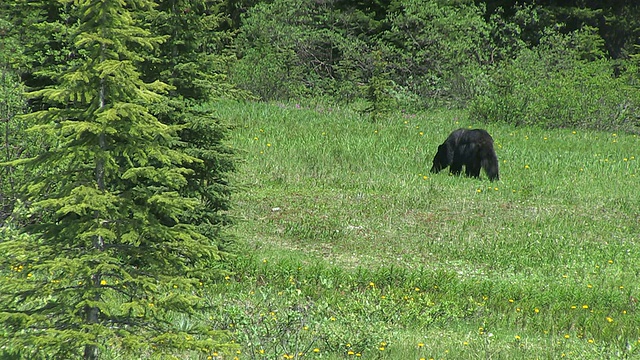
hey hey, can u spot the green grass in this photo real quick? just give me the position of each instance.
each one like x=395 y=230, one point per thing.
x=351 y=247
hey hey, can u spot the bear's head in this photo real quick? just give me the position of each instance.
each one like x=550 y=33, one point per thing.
x=441 y=160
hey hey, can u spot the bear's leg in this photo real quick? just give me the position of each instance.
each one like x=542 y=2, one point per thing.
x=455 y=168
x=472 y=170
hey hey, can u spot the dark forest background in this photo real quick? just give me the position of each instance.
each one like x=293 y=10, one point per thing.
x=558 y=63
x=553 y=63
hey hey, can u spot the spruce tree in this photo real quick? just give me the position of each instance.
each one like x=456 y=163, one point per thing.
x=194 y=60
x=111 y=260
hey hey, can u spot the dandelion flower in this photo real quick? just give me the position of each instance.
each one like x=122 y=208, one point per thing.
x=609 y=319
x=517 y=337
x=103 y=282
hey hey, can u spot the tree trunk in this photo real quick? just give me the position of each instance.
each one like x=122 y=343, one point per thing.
x=93 y=313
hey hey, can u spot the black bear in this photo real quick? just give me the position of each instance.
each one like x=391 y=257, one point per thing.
x=471 y=148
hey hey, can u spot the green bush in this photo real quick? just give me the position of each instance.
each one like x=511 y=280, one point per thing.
x=423 y=52
x=554 y=85
x=438 y=51
x=284 y=53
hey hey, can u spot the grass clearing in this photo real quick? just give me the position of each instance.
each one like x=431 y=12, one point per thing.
x=354 y=248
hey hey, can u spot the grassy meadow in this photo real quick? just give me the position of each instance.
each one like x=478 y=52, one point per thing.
x=350 y=248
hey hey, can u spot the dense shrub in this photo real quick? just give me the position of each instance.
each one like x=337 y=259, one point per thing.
x=563 y=82
x=283 y=53
x=422 y=51
x=439 y=52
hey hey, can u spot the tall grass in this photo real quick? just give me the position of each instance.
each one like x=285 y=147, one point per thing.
x=353 y=248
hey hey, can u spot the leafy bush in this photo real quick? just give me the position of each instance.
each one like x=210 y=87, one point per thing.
x=283 y=54
x=554 y=85
x=422 y=51
x=438 y=50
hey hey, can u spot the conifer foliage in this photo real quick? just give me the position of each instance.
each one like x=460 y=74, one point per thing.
x=111 y=264
x=194 y=62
